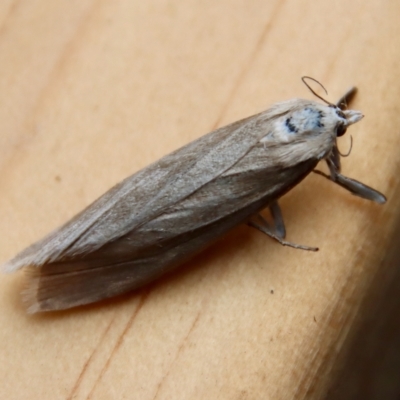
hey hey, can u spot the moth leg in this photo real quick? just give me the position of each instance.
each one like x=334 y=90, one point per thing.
x=355 y=187
x=264 y=227
x=276 y=214
x=334 y=158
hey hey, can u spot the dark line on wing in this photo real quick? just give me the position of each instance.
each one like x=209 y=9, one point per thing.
x=119 y=342
x=88 y=361
x=249 y=63
x=180 y=348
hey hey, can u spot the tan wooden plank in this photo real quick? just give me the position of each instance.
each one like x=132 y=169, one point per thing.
x=92 y=91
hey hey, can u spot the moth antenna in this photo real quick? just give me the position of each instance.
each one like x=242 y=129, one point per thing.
x=351 y=147
x=303 y=78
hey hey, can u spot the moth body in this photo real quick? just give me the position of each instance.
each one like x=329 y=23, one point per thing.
x=161 y=216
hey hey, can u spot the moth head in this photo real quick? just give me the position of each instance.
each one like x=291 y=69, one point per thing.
x=347 y=118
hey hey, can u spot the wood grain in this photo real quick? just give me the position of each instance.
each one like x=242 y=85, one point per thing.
x=92 y=91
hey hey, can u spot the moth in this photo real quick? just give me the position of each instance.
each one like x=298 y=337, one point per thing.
x=159 y=217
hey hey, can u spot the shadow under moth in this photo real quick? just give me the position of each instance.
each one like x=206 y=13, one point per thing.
x=159 y=217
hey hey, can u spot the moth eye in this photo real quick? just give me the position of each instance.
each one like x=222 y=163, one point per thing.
x=340 y=130
x=340 y=113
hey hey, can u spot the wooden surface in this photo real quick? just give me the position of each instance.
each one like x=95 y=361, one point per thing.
x=91 y=91
x=368 y=367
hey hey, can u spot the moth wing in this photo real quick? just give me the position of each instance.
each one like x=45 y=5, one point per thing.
x=163 y=243
x=147 y=193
